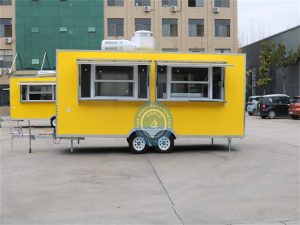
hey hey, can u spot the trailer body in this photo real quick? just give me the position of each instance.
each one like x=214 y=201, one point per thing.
x=85 y=109
x=32 y=97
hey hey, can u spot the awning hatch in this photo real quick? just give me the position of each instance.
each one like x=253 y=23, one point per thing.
x=113 y=62
x=192 y=64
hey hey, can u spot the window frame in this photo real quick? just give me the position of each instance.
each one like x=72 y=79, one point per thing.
x=222 y=4
x=228 y=34
x=135 y=81
x=115 y=5
x=28 y=85
x=115 y=27
x=142 y=24
x=193 y=24
x=169 y=24
x=191 y=65
x=143 y=3
x=6 y=23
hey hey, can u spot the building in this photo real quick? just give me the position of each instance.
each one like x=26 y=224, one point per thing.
x=291 y=39
x=42 y=26
x=7 y=49
x=178 y=25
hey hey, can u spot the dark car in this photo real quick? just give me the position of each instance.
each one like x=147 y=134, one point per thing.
x=272 y=106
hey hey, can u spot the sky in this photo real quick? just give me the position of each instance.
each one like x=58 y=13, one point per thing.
x=258 y=19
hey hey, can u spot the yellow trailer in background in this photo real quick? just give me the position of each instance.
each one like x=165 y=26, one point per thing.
x=33 y=97
x=150 y=98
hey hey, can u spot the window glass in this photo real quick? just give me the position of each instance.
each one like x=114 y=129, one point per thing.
x=142 y=24
x=217 y=83
x=114 y=81
x=223 y=50
x=143 y=81
x=189 y=74
x=6 y=58
x=168 y=3
x=196 y=50
x=115 y=27
x=196 y=27
x=5 y=27
x=142 y=3
x=190 y=82
x=222 y=28
x=37 y=92
x=114 y=89
x=196 y=3
x=114 y=73
x=5 y=2
x=115 y=2
x=161 y=81
x=85 y=78
x=4 y=95
x=189 y=90
x=222 y=3
x=170 y=28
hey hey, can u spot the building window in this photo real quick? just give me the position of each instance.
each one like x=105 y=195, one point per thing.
x=5 y=28
x=222 y=3
x=114 y=81
x=196 y=50
x=170 y=28
x=142 y=24
x=222 y=28
x=6 y=57
x=38 y=92
x=5 y=2
x=176 y=82
x=115 y=27
x=142 y=3
x=168 y=3
x=196 y=3
x=115 y=3
x=196 y=27
x=223 y=50
x=4 y=95
x=169 y=49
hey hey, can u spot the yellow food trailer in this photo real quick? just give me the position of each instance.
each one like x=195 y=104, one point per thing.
x=33 y=97
x=150 y=98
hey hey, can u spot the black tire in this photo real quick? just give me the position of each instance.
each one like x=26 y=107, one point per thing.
x=263 y=117
x=53 y=121
x=294 y=117
x=164 y=143
x=250 y=113
x=272 y=114
x=137 y=144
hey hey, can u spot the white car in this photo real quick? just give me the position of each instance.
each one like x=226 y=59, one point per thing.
x=252 y=105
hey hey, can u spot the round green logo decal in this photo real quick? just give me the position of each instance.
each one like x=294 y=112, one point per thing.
x=153 y=118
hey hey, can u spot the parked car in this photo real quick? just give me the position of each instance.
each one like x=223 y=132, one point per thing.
x=294 y=108
x=272 y=106
x=252 y=105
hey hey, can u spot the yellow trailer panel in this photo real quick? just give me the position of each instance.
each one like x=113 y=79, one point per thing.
x=32 y=97
x=84 y=108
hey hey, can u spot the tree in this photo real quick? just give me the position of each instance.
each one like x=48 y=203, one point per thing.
x=283 y=59
x=266 y=59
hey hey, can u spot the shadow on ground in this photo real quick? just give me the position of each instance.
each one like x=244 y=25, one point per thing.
x=126 y=150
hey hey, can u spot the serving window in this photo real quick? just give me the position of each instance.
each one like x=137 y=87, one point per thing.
x=38 y=92
x=190 y=82
x=113 y=81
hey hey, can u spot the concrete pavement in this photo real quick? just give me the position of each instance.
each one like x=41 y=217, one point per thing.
x=102 y=183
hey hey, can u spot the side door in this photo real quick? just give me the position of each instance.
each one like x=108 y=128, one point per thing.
x=285 y=106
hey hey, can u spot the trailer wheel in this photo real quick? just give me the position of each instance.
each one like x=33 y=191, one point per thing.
x=53 y=121
x=137 y=144
x=165 y=144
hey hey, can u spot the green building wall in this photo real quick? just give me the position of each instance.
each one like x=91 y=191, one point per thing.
x=46 y=25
